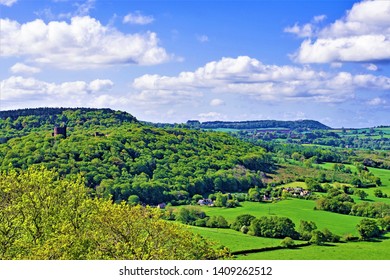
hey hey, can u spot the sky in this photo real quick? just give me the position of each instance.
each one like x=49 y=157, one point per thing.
x=173 y=61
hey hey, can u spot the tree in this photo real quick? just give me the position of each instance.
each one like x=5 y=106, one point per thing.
x=242 y=220
x=254 y=194
x=220 y=200
x=368 y=229
x=45 y=217
x=361 y=194
x=273 y=226
x=133 y=200
x=217 y=222
x=378 y=193
x=313 y=185
x=306 y=228
x=317 y=237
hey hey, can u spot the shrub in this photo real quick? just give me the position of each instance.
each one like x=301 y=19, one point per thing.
x=287 y=242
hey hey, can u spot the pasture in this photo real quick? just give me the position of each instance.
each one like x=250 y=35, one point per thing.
x=367 y=250
x=296 y=210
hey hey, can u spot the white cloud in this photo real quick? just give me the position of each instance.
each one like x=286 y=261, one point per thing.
x=319 y=18
x=306 y=30
x=217 y=102
x=363 y=35
x=300 y=31
x=81 y=10
x=20 y=68
x=8 y=3
x=376 y=101
x=371 y=67
x=248 y=76
x=75 y=93
x=82 y=43
x=202 y=38
x=138 y=18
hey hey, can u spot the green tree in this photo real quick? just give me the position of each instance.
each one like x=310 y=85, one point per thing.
x=44 y=216
x=361 y=194
x=133 y=200
x=317 y=237
x=242 y=220
x=378 y=193
x=220 y=200
x=306 y=228
x=254 y=194
x=368 y=229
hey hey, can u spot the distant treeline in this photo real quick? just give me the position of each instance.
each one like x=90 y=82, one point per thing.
x=48 y=111
x=300 y=124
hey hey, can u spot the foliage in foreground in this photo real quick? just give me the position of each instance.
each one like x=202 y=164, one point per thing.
x=42 y=217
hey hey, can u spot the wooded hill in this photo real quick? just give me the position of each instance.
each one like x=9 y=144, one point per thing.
x=120 y=157
x=300 y=124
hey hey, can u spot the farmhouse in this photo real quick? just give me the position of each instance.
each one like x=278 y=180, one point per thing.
x=297 y=191
x=206 y=201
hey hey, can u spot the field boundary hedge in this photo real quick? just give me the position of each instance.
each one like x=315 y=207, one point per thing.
x=266 y=249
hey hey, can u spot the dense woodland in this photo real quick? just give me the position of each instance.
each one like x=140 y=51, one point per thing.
x=120 y=157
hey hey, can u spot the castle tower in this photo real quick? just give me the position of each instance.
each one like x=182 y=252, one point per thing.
x=59 y=131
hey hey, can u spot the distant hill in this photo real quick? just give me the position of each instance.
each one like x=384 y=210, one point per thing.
x=23 y=121
x=300 y=124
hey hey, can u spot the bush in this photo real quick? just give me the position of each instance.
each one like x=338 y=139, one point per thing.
x=287 y=242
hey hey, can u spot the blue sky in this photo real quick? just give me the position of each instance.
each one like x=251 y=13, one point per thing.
x=171 y=61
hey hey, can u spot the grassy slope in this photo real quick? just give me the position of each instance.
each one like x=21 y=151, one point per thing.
x=295 y=209
x=344 y=251
x=235 y=240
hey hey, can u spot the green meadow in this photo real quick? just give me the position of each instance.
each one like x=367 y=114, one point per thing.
x=235 y=240
x=296 y=210
x=367 y=250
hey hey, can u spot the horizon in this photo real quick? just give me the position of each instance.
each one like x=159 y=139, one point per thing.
x=170 y=61
x=202 y=122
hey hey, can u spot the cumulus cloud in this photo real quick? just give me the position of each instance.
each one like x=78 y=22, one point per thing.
x=138 y=18
x=82 y=43
x=217 y=102
x=362 y=35
x=248 y=76
x=377 y=101
x=20 y=68
x=8 y=3
x=371 y=67
x=19 y=88
x=306 y=30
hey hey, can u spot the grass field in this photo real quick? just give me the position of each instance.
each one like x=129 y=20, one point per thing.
x=343 y=251
x=296 y=210
x=235 y=240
